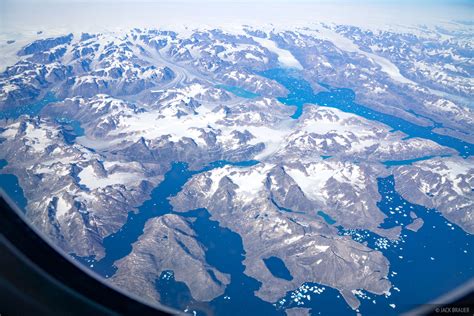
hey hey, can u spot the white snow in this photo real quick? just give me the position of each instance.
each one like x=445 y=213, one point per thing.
x=449 y=169
x=313 y=178
x=11 y=130
x=273 y=139
x=311 y=183
x=460 y=167
x=150 y=125
x=91 y=180
x=281 y=225
x=62 y=207
x=321 y=248
x=158 y=123
x=293 y=239
x=250 y=182
x=216 y=175
x=285 y=57
x=38 y=138
x=184 y=94
x=346 y=44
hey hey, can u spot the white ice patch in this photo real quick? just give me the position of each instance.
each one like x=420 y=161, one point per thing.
x=321 y=248
x=328 y=119
x=62 y=207
x=273 y=139
x=184 y=94
x=450 y=170
x=293 y=239
x=150 y=125
x=216 y=175
x=456 y=168
x=285 y=57
x=346 y=44
x=313 y=179
x=250 y=182
x=311 y=182
x=318 y=248
x=38 y=138
x=93 y=181
x=11 y=131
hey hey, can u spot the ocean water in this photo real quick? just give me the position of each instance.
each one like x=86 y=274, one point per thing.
x=423 y=265
x=29 y=109
x=9 y=184
x=225 y=251
x=319 y=299
x=278 y=268
x=390 y=163
x=71 y=129
x=328 y=219
x=301 y=92
x=240 y=92
x=175 y=293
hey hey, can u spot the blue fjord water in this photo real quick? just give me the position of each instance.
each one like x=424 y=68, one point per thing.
x=390 y=163
x=224 y=248
x=423 y=265
x=301 y=92
x=71 y=129
x=240 y=92
x=328 y=219
x=9 y=184
x=278 y=268
x=31 y=109
x=225 y=251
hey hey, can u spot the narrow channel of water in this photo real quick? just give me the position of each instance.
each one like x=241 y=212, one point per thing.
x=240 y=92
x=301 y=92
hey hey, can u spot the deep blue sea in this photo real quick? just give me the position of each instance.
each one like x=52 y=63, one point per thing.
x=240 y=92
x=71 y=129
x=29 y=109
x=277 y=268
x=9 y=184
